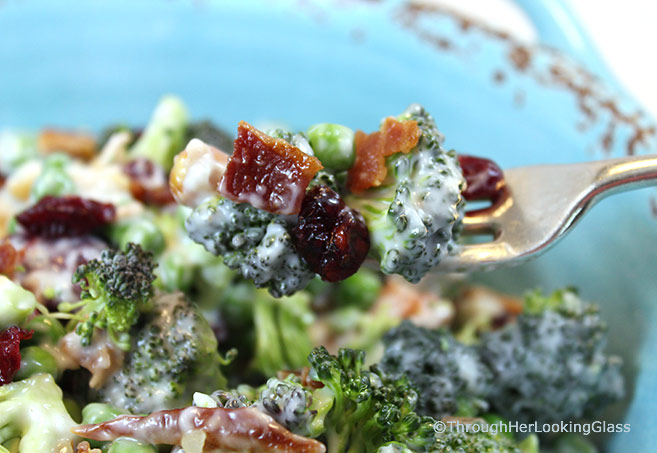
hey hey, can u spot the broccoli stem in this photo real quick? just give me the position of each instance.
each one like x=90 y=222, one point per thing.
x=165 y=133
x=268 y=355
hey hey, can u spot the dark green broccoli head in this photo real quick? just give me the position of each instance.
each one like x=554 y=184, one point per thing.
x=114 y=289
x=550 y=364
x=370 y=408
x=252 y=241
x=174 y=353
x=448 y=375
x=413 y=217
x=289 y=403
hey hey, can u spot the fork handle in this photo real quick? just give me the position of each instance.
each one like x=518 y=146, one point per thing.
x=623 y=174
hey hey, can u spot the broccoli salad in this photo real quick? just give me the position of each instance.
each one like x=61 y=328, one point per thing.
x=178 y=288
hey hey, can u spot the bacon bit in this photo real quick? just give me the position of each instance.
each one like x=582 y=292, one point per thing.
x=404 y=300
x=148 y=182
x=370 y=170
x=75 y=144
x=55 y=217
x=242 y=429
x=485 y=309
x=267 y=172
x=9 y=259
x=84 y=447
x=10 y=351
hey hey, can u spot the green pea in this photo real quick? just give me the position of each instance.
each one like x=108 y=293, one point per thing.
x=36 y=360
x=53 y=180
x=141 y=231
x=360 y=290
x=125 y=445
x=99 y=413
x=46 y=329
x=333 y=144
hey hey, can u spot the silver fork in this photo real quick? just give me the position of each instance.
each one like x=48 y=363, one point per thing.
x=540 y=205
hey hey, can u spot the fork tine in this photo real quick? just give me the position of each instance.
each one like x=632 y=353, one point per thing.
x=478 y=222
x=482 y=256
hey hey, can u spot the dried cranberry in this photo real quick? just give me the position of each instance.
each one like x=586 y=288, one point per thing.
x=330 y=236
x=10 y=351
x=484 y=177
x=149 y=183
x=54 y=217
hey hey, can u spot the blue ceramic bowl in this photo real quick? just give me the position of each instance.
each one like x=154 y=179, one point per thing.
x=301 y=62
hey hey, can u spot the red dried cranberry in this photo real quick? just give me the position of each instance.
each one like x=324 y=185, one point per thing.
x=484 y=177
x=10 y=351
x=330 y=236
x=149 y=183
x=69 y=216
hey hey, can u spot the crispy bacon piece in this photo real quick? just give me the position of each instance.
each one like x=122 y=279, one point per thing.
x=267 y=172
x=10 y=351
x=393 y=137
x=84 y=447
x=242 y=429
x=75 y=144
x=9 y=259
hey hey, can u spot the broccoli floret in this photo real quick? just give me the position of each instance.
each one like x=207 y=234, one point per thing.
x=115 y=287
x=281 y=330
x=448 y=375
x=369 y=407
x=173 y=354
x=550 y=364
x=291 y=405
x=33 y=411
x=287 y=401
x=413 y=217
x=296 y=139
x=17 y=303
x=254 y=242
x=164 y=134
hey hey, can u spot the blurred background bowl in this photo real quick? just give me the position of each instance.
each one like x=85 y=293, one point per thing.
x=301 y=61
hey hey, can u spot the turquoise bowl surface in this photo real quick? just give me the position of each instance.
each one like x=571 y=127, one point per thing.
x=301 y=62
